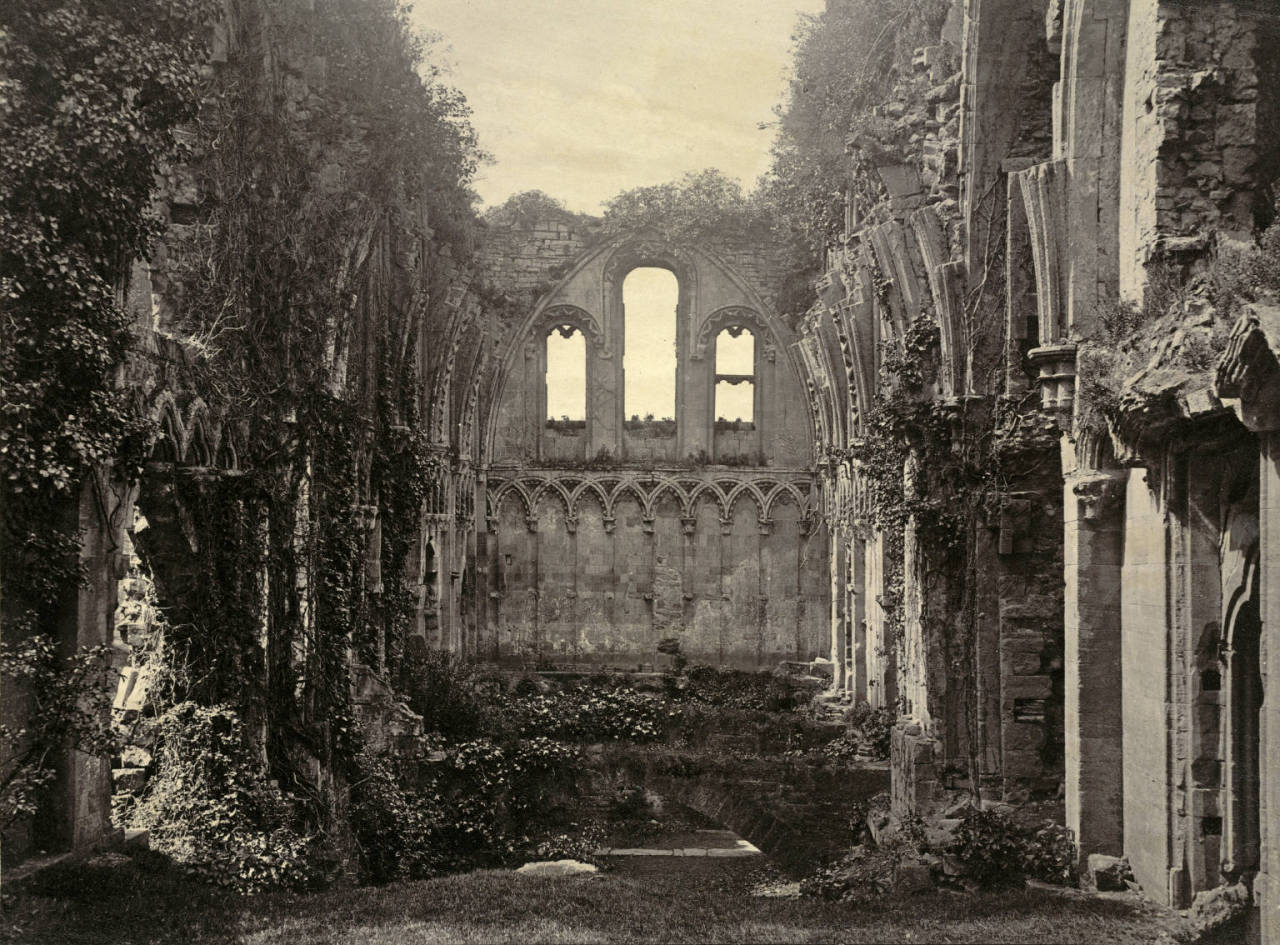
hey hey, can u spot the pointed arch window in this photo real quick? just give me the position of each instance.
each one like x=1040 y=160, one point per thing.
x=566 y=378
x=735 y=378
x=649 y=299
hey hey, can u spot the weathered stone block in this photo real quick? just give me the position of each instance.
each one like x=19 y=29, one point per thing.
x=1107 y=873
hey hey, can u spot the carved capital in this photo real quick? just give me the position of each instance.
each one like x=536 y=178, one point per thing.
x=1056 y=367
x=1099 y=496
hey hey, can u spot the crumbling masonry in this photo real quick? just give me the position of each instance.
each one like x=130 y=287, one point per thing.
x=1047 y=164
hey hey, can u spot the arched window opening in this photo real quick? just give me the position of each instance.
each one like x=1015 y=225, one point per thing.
x=649 y=298
x=566 y=378
x=735 y=378
x=166 y=448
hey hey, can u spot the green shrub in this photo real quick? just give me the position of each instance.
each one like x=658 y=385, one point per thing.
x=580 y=843
x=629 y=802
x=72 y=708
x=872 y=727
x=990 y=848
x=473 y=803
x=593 y=713
x=1049 y=854
x=738 y=689
x=395 y=829
x=211 y=808
x=444 y=690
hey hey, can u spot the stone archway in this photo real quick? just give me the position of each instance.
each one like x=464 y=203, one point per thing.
x=1244 y=698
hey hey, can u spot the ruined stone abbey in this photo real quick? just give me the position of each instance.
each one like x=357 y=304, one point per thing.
x=1079 y=588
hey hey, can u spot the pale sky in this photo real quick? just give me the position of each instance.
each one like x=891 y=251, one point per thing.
x=587 y=98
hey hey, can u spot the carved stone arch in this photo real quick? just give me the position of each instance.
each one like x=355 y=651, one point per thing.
x=1039 y=197
x=748 y=489
x=553 y=487
x=442 y=388
x=466 y=433
x=198 y=446
x=556 y=316
x=1245 y=769
x=731 y=316
x=651 y=250
x=882 y=258
x=227 y=456
x=946 y=287
x=490 y=512
x=590 y=487
x=629 y=485
x=712 y=491
x=858 y=313
x=675 y=490
x=821 y=388
x=780 y=490
x=512 y=487
x=168 y=447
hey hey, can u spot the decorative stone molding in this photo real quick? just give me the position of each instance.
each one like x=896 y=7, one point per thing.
x=1041 y=189
x=559 y=317
x=647 y=488
x=1056 y=369
x=1248 y=377
x=1098 y=495
x=732 y=317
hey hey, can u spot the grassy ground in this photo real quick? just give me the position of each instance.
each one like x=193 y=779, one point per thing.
x=643 y=900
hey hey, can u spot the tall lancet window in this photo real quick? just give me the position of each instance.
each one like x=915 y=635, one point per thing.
x=736 y=377
x=649 y=298
x=566 y=376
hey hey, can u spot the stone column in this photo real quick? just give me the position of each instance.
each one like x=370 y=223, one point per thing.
x=856 y=614
x=1266 y=886
x=839 y=557
x=1093 y=537
x=82 y=817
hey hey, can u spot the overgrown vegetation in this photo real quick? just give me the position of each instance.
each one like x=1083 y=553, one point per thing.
x=288 y=185
x=1196 y=309
x=979 y=850
x=92 y=96
x=67 y=705
x=845 y=60
x=212 y=809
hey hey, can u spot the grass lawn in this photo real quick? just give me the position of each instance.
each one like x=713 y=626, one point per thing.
x=644 y=900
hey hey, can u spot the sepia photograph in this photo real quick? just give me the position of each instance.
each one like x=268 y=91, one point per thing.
x=542 y=472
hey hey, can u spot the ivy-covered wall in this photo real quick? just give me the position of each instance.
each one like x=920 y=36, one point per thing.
x=278 y=362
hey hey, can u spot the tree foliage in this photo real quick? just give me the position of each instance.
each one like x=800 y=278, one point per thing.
x=699 y=204
x=845 y=61
x=91 y=96
x=531 y=207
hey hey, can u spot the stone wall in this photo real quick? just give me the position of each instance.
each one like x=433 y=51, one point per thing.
x=638 y=557
x=610 y=535
x=1190 y=138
